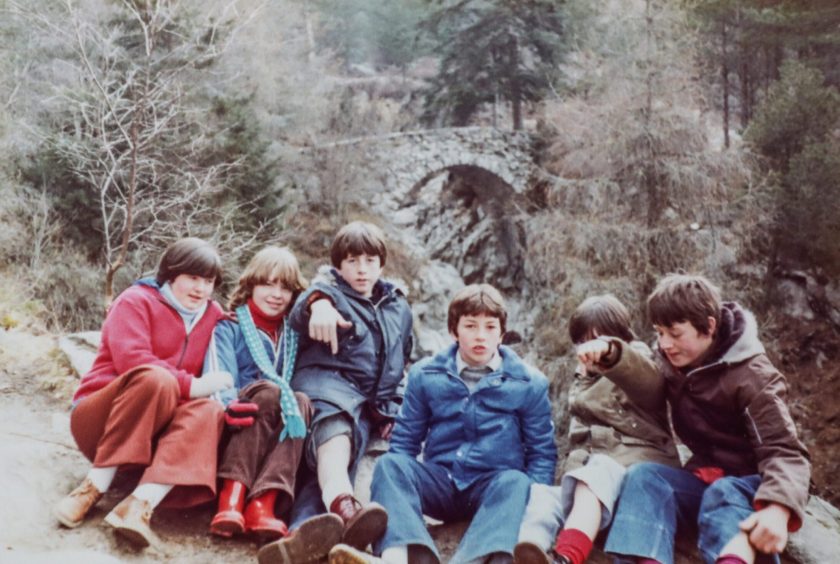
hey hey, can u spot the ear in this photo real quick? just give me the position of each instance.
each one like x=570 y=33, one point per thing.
x=712 y=326
x=454 y=336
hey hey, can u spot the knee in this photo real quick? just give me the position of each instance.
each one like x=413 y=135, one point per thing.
x=725 y=491
x=154 y=381
x=266 y=396
x=207 y=409
x=391 y=464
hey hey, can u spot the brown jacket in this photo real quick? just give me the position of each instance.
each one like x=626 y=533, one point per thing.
x=606 y=420
x=732 y=413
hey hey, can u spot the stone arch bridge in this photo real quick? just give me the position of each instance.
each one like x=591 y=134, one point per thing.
x=405 y=161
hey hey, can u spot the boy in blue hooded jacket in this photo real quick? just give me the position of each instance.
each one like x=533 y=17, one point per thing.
x=481 y=418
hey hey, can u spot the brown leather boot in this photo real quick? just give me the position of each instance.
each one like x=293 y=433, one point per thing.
x=529 y=553
x=311 y=542
x=362 y=524
x=229 y=520
x=130 y=519
x=71 y=510
x=260 y=519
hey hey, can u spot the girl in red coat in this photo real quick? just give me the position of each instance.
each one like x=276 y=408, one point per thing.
x=143 y=404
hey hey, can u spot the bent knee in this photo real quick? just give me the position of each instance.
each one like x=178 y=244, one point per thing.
x=391 y=463
x=207 y=408
x=154 y=380
x=265 y=394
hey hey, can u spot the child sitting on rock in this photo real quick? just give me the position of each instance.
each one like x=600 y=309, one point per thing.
x=355 y=341
x=481 y=418
x=746 y=485
x=616 y=421
x=266 y=421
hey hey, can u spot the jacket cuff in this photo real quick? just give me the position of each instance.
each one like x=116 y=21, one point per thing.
x=613 y=353
x=314 y=297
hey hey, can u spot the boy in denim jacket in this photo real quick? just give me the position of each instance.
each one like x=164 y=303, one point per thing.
x=481 y=418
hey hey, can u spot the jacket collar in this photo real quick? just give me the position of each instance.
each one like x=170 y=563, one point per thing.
x=383 y=288
x=512 y=365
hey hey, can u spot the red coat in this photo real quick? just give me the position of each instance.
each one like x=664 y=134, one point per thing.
x=142 y=328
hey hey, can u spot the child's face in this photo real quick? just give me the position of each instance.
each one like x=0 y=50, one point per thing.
x=272 y=297
x=191 y=290
x=683 y=344
x=478 y=337
x=361 y=272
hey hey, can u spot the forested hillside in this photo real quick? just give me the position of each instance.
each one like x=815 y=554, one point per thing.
x=696 y=135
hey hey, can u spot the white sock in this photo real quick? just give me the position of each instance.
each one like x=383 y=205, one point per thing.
x=101 y=478
x=334 y=487
x=153 y=493
x=395 y=555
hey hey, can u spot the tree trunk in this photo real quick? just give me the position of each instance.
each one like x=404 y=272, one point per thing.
x=724 y=77
x=515 y=90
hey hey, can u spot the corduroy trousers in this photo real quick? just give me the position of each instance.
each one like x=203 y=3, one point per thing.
x=138 y=420
x=255 y=457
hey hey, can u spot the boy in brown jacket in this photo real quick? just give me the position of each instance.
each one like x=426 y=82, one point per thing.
x=746 y=484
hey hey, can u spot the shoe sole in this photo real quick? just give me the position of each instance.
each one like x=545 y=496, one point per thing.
x=310 y=542
x=529 y=553
x=64 y=520
x=341 y=555
x=132 y=535
x=226 y=528
x=367 y=528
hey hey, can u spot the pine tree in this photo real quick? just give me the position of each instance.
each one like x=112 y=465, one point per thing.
x=492 y=51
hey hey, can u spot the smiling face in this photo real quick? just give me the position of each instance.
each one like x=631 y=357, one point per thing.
x=361 y=272
x=272 y=298
x=191 y=290
x=478 y=337
x=683 y=344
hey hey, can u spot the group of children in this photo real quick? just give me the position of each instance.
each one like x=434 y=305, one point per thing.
x=274 y=403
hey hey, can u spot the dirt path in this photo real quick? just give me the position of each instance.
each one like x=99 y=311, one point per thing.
x=40 y=464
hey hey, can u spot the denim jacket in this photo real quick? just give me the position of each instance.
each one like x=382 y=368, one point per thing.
x=505 y=424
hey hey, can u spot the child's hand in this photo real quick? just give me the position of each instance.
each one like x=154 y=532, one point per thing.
x=210 y=383
x=386 y=430
x=768 y=528
x=591 y=352
x=324 y=322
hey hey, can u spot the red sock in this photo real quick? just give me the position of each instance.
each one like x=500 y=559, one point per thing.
x=574 y=545
x=647 y=561
x=730 y=559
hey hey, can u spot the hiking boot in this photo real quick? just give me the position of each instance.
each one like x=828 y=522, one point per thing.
x=346 y=554
x=310 y=542
x=362 y=524
x=130 y=519
x=529 y=553
x=71 y=510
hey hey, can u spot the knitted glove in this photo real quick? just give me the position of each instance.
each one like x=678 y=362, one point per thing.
x=240 y=414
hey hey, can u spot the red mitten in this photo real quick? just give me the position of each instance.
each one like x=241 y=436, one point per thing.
x=240 y=414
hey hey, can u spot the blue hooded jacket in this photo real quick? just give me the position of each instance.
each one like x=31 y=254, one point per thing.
x=505 y=424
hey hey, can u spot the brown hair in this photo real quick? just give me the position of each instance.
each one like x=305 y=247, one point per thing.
x=189 y=255
x=604 y=315
x=271 y=263
x=476 y=299
x=358 y=238
x=685 y=297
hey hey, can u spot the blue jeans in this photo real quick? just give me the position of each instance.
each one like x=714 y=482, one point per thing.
x=409 y=489
x=656 y=501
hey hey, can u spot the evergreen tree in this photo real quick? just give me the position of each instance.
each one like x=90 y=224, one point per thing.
x=492 y=50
